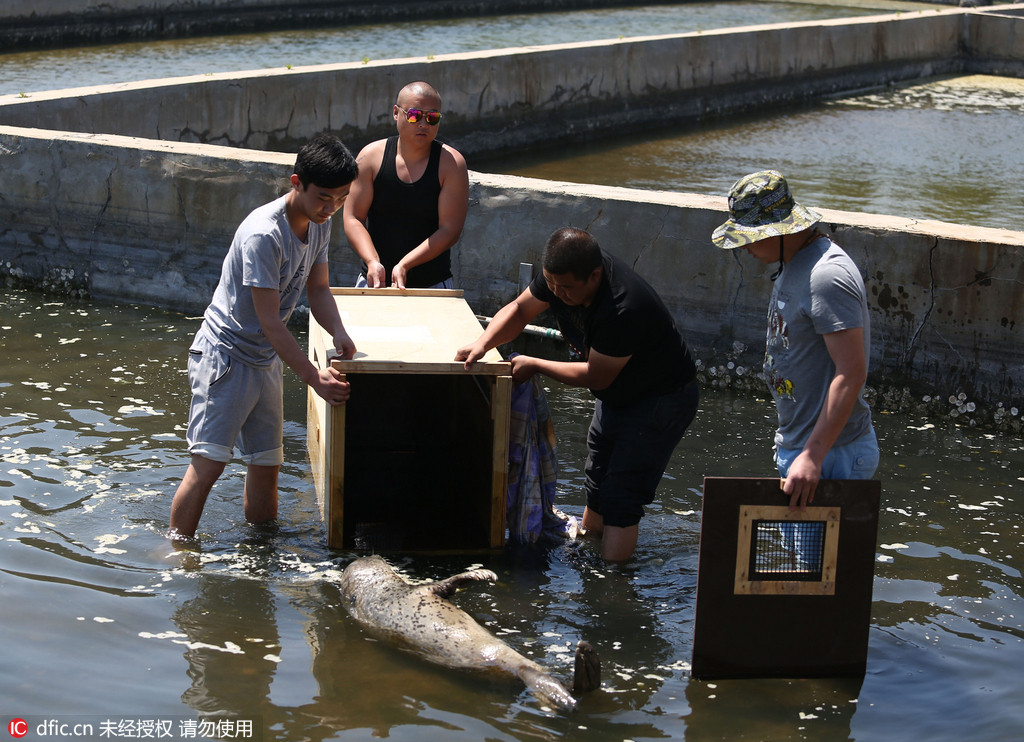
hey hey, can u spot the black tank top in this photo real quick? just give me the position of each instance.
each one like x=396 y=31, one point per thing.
x=402 y=215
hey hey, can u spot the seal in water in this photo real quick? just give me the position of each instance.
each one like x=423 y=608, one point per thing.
x=419 y=618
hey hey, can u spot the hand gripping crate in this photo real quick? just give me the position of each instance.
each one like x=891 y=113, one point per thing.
x=417 y=458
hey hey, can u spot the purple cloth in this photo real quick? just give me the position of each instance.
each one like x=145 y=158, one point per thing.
x=533 y=469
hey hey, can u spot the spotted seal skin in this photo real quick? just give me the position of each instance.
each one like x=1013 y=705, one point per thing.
x=419 y=618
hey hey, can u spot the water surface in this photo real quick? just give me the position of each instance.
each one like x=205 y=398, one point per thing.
x=96 y=65
x=103 y=620
x=937 y=149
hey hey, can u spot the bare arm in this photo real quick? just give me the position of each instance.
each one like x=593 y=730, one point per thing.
x=846 y=348
x=597 y=372
x=452 y=206
x=357 y=206
x=325 y=310
x=267 y=303
x=504 y=327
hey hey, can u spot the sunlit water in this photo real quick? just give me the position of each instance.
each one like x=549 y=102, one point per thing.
x=95 y=65
x=940 y=149
x=103 y=620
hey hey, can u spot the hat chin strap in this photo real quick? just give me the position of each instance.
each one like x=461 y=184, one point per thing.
x=782 y=263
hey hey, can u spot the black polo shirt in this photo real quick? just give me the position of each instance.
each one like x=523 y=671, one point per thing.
x=626 y=318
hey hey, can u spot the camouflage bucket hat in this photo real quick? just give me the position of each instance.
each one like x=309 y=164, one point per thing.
x=760 y=205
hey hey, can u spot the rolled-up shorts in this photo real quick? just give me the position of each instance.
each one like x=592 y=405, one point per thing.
x=235 y=403
x=629 y=449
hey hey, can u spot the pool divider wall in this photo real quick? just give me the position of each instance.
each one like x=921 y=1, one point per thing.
x=499 y=100
x=122 y=214
x=150 y=222
x=945 y=299
x=126 y=219
x=995 y=41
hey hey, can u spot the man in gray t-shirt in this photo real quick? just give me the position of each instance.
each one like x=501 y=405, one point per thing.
x=819 y=337
x=236 y=360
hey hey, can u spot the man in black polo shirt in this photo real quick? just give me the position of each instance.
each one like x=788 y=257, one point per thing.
x=633 y=360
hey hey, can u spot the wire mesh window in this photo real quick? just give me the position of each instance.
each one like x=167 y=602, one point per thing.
x=787 y=550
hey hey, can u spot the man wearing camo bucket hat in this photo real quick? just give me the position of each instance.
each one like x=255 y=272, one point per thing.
x=819 y=337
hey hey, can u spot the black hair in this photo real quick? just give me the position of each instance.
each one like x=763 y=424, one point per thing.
x=571 y=250
x=325 y=161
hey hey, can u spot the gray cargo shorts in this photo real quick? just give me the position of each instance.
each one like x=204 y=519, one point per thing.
x=235 y=403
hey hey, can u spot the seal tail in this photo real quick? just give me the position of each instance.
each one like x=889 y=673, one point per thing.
x=547 y=688
x=586 y=677
x=586 y=670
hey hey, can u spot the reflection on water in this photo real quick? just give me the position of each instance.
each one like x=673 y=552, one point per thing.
x=96 y=65
x=103 y=617
x=937 y=150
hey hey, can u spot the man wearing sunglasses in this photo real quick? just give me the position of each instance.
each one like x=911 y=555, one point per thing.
x=408 y=205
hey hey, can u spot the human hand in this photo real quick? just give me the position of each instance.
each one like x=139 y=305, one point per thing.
x=375 y=274
x=398 y=275
x=344 y=346
x=470 y=354
x=523 y=368
x=801 y=481
x=330 y=387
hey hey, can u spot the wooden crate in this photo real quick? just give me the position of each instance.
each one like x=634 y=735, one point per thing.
x=418 y=456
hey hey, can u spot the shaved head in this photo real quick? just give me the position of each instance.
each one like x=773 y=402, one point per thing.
x=418 y=90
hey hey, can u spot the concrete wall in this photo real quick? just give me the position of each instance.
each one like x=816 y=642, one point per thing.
x=126 y=219
x=504 y=99
x=994 y=41
x=149 y=222
x=933 y=287
x=133 y=218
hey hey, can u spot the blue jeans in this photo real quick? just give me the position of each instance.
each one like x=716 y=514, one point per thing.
x=855 y=460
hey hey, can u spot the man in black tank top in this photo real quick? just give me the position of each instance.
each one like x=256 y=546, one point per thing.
x=408 y=205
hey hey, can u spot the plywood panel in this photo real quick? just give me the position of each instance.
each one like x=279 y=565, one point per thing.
x=404 y=331
x=798 y=622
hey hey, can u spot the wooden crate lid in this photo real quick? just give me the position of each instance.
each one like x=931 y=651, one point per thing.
x=409 y=331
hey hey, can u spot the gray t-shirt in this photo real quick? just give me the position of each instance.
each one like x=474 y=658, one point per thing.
x=819 y=292
x=265 y=253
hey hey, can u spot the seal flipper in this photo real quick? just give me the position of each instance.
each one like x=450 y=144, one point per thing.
x=587 y=669
x=449 y=585
x=546 y=687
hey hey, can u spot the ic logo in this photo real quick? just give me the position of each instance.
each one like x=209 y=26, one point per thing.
x=18 y=728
